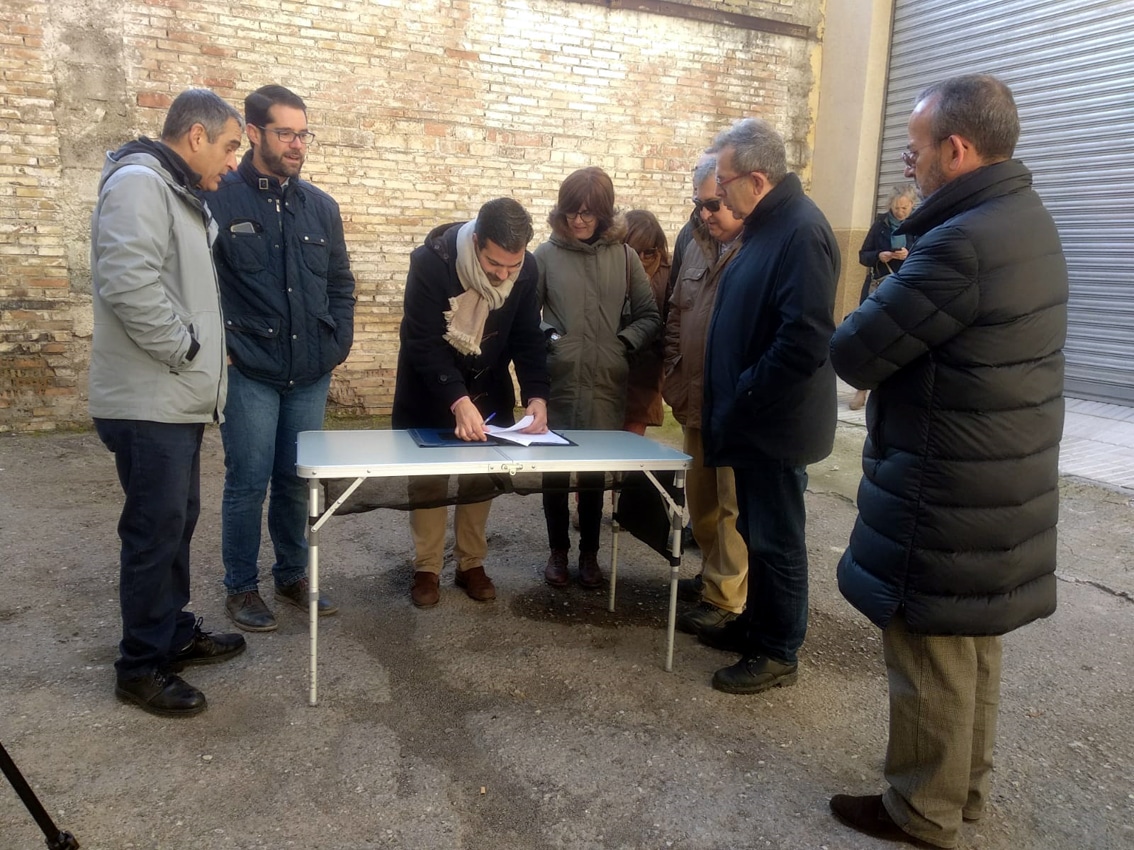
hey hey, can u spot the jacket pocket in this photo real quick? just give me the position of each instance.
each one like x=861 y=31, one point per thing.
x=316 y=254
x=243 y=250
x=254 y=342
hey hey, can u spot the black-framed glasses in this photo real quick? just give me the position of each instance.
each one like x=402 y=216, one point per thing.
x=585 y=216
x=910 y=155
x=289 y=136
x=713 y=205
x=648 y=253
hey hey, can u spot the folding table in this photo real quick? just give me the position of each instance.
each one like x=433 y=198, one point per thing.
x=360 y=455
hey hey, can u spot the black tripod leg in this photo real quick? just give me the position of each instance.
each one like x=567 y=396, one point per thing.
x=56 y=839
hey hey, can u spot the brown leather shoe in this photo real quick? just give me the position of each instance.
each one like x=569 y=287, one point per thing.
x=476 y=584
x=426 y=590
x=555 y=573
x=590 y=576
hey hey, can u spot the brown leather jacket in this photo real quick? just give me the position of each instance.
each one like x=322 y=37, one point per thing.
x=686 y=329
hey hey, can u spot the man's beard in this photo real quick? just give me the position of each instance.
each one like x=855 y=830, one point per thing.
x=279 y=166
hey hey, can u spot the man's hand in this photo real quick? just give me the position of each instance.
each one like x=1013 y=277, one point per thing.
x=537 y=410
x=470 y=424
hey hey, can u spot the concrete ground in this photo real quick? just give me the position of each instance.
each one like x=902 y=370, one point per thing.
x=539 y=721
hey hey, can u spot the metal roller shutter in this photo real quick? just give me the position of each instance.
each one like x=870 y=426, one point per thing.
x=1070 y=64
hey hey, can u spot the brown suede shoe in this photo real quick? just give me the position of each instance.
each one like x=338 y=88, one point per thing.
x=868 y=816
x=426 y=589
x=590 y=576
x=476 y=584
x=555 y=573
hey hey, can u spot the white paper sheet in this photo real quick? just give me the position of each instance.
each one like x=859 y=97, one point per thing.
x=512 y=435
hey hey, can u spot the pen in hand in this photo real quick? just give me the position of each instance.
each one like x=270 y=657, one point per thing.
x=490 y=417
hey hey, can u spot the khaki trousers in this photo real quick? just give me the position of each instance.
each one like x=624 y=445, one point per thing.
x=428 y=525
x=711 y=496
x=944 y=696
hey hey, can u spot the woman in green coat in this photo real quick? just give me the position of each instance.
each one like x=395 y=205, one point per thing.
x=597 y=301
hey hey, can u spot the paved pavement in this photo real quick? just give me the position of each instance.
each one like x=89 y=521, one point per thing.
x=1098 y=439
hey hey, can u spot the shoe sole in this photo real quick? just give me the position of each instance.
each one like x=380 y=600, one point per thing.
x=747 y=690
x=323 y=612
x=417 y=604
x=126 y=696
x=247 y=627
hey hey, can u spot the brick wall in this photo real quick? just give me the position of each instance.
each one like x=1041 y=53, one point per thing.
x=423 y=110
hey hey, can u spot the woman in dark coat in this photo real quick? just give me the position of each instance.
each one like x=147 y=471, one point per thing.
x=884 y=251
x=643 y=397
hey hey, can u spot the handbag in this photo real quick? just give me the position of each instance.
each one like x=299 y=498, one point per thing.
x=876 y=278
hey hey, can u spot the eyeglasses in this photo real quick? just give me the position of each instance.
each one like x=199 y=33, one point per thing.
x=722 y=183
x=289 y=136
x=648 y=253
x=585 y=216
x=910 y=155
x=713 y=205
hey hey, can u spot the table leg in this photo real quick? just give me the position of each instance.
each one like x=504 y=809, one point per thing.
x=614 y=529
x=677 y=523
x=313 y=581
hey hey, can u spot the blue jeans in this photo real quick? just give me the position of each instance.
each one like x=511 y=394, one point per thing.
x=771 y=521
x=259 y=432
x=159 y=466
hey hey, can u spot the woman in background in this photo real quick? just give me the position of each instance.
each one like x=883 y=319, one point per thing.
x=883 y=251
x=643 y=397
x=597 y=298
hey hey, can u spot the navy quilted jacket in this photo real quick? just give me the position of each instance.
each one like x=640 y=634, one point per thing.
x=286 y=284
x=963 y=349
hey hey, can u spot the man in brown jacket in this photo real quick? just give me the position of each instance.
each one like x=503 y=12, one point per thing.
x=711 y=492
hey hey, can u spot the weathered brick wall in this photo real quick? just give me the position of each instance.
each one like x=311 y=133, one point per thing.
x=423 y=110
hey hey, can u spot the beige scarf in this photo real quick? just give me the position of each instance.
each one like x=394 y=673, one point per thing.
x=469 y=311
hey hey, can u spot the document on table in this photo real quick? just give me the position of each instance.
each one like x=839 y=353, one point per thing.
x=512 y=434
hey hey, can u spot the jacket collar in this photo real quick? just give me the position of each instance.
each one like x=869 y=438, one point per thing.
x=956 y=196
x=786 y=190
x=265 y=183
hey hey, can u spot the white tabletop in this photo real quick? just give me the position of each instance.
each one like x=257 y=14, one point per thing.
x=380 y=454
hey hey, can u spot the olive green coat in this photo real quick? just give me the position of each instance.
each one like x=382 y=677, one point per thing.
x=582 y=290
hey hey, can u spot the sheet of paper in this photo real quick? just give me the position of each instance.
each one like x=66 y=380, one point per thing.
x=512 y=435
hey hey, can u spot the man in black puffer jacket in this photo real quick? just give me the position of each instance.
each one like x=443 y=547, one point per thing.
x=955 y=539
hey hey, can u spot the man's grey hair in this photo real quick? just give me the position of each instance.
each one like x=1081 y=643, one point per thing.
x=506 y=223
x=756 y=147
x=977 y=107
x=198 y=106
x=704 y=170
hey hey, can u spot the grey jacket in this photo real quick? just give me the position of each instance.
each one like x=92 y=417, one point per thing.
x=158 y=352
x=582 y=289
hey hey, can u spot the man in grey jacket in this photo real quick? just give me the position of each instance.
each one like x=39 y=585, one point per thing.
x=156 y=377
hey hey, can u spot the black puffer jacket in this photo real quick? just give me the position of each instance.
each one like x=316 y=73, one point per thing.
x=286 y=284
x=432 y=375
x=963 y=349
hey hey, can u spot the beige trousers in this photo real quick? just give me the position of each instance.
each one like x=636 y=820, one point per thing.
x=944 y=697
x=428 y=525
x=710 y=493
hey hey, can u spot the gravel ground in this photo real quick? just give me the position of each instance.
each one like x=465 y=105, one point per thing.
x=538 y=721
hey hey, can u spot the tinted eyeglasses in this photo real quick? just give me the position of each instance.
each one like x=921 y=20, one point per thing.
x=711 y=204
x=648 y=253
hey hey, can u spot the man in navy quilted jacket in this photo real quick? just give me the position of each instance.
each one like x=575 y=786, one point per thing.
x=954 y=544
x=288 y=298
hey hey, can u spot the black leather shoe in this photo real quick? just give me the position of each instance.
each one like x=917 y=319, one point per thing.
x=869 y=816
x=704 y=616
x=250 y=613
x=689 y=589
x=207 y=648
x=162 y=693
x=298 y=594
x=727 y=637
x=753 y=675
